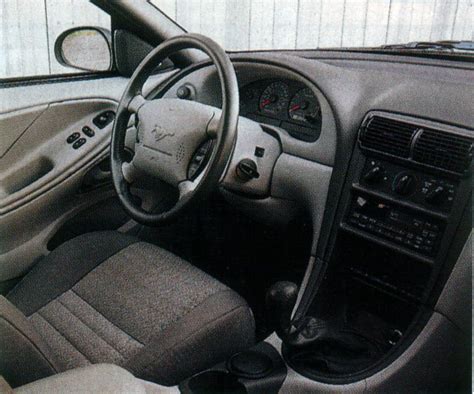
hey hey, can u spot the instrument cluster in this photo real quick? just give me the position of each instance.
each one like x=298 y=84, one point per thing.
x=288 y=104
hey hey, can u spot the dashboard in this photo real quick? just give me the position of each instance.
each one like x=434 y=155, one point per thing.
x=381 y=164
x=284 y=103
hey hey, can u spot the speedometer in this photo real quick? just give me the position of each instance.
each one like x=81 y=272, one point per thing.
x=274 y=98
x=304 y=107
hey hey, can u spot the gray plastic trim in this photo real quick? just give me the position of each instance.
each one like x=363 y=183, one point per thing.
x=38 y=119
x=426 y=365
x=454 y=302
x=305 y=182
x=44 y=145
x=94 y=378
x=20 y=97
x=205 y=83
x=434 y=358
x=26 y=231
x=250 y=136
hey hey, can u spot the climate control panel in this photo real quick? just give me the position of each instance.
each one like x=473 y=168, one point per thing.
x=413 y=186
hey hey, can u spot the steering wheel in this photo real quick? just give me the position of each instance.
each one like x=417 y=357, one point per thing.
x=170 y=131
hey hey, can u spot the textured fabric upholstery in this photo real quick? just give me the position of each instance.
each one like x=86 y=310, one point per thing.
x=24 y=356
x=139 y=307
x=100 y=378
x=66 y=265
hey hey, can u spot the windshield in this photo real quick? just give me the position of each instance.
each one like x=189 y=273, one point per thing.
x=240 y=25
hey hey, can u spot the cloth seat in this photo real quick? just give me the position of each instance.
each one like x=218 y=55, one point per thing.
x=106 y=297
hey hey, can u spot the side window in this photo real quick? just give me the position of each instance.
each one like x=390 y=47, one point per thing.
x=29 y=30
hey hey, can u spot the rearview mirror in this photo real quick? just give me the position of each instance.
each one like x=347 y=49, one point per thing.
x=85 y=48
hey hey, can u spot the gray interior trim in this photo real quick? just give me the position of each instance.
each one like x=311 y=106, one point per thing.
x=44 y=145
x=430 y=364
x=437 y=360
x=309 y=187
x=453 y=301
x=99 y=378
x=21 y=97
x=14 y=124
x=25 y=242
x=205 y=83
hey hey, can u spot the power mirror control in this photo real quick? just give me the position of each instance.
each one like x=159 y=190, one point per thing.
x=104 y=119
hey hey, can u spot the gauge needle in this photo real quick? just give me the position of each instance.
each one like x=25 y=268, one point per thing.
x=264 y=103
x=295 y=107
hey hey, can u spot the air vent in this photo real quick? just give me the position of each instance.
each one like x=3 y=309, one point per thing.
x=443 y=150
x=388 y=135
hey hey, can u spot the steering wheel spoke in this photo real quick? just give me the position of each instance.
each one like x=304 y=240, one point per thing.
x=136 y=103
x=186 y=188
x=129 y=171
x=212 y=129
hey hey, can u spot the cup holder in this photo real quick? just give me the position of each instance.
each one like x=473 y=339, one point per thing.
x=250 y=364
x=259 y=369
x=215 y=382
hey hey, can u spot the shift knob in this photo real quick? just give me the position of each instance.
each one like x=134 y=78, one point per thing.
x=280 y=301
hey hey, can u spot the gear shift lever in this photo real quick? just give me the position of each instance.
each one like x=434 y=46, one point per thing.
x=280 y=301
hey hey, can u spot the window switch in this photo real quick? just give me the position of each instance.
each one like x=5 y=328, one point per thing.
x=88 y=131
x=104 y=119
x=79 y=143
x=73 y=137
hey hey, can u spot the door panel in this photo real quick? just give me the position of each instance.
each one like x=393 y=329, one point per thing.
x=41 y=157
x=41 y=174
x=15 y=123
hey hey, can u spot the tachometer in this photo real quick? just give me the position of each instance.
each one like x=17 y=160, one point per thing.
x=304 y=107
x=274 y=98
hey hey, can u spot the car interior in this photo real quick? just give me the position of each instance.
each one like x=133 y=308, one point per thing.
x=202 y=221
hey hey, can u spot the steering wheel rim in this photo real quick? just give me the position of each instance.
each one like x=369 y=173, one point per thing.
x=132 y=99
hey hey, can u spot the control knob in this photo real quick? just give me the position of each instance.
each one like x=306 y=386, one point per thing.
x=247 y=170
x=436 y=196
x=404 y=184
x=183 y=92
x=374 y=175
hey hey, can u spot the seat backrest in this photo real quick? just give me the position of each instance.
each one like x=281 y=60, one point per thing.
x=24 y=356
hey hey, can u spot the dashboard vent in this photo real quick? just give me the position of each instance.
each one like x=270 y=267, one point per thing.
x=388 y=135
x=443 y=150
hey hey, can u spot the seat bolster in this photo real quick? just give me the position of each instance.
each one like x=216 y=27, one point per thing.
x=24 y=357
x=220 y=326
x=97 y=378
x=64 y=267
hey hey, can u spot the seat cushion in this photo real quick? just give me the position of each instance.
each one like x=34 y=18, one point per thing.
x=100 y=378
x=109 y=298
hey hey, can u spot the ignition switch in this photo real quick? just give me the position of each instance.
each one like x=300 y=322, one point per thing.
x=247 y=170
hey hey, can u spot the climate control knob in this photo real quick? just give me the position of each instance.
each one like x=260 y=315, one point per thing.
x=436 y=196
x=374 y=175
x=404 y=184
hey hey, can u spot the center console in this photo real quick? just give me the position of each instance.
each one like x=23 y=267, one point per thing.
x=407 y=192
x=259 y=369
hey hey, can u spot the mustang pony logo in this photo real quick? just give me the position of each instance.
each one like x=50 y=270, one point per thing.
x=160 y=134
